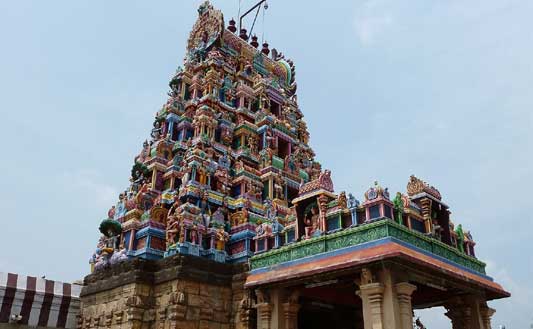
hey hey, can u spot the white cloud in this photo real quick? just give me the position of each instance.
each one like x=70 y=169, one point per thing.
x=371 y=21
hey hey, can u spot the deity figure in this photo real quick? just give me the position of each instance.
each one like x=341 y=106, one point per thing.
x=352 y=201
x=252 y=144
x=341 y=200
x=108 y=243
x=436 y=230
x=224 y=161
x=156 y=131
x=276 y=226
x=398 y=206
x=101 y=261
x=222 y=180
x=145 y=153
x=245 y=215
x=182 y=232
x=111 y=212
x=460 y=238
x=137 y=180
x=270 y=209
x=271 y=140
x=239 y=165
x=303 y=135
x=260 y=229
x=186 y=176
x=143 y=199
x=290 y=163
x=172 y=230
x=204 y=204
x=96 y=258
x=221 y=238
x=258 y=193
x=193 y=234
x=120 y=208
x=266 y=157
x=278 y=188
x=311 y=222
x=119 y=256
x=314 y=170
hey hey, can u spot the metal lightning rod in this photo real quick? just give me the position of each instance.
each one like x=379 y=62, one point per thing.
x=249 y=11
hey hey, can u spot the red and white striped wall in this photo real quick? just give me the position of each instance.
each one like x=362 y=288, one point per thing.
x=40 y=302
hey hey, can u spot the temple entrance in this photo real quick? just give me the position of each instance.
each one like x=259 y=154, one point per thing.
x=315 y=314
x=330 y=304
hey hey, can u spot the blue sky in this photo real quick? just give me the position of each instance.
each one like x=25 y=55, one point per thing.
x=440 y=89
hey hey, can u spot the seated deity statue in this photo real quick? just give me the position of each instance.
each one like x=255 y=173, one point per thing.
x=221 y=238
x=118 y=256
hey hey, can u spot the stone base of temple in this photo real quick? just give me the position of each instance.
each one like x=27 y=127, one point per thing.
x=176 y=292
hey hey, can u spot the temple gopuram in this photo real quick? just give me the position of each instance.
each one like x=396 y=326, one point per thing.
x=230 y=222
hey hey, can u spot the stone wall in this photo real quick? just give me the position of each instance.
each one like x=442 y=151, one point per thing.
x=178 y=292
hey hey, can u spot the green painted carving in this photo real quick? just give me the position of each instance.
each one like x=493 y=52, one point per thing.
x=460 y=238
x=363 y=234
x=278 y=162
x=398 y=206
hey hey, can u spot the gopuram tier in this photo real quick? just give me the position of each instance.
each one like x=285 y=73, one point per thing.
x=230 y=222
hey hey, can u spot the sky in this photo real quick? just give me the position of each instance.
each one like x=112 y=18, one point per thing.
x=389 y=88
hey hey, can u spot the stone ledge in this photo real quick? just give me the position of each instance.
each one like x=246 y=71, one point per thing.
x=152 y=272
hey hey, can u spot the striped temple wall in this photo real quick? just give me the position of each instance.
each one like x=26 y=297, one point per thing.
x=40 y=302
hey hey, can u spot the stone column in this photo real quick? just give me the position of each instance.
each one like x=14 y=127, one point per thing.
x=455 y=315
x=404 y=291
x=460 y=314
x=290 y=315
x=475 y=303
x=372 y=298
x=486 y=315
x=245 y=312
x=290 y=310
x=264 y=309
x=264 y=312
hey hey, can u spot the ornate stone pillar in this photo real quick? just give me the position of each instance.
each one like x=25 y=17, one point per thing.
x=455 y=316
x=475 y=303
x=246 y=313
x=486 y=315
x=264 y=310
x=372 y=298
x=404 y=291
x=290 y=315
x=290 y=311
x=459 y=313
